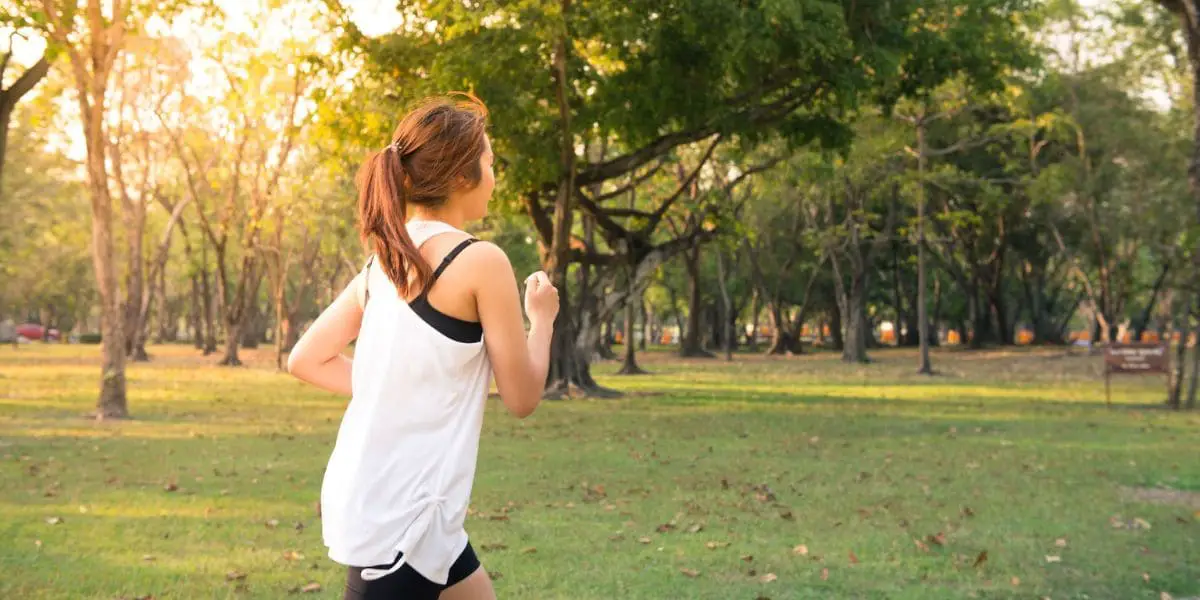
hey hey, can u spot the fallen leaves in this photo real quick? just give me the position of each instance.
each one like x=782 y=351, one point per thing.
x=292 y=555
x=171 y=487
x=272 y=524
x=1061 y=542
x=1015 y=581
x=979 y=560
x=235 y=576
x=644 y=540
x=1135 y=524
x=54 y=520
x=529 y=550
x=690 y=572
x=714 y=545
x=1050 y=558
x=825 y=574
x=937 y=540
x=769 y=577
x=853 y=558
x=801 y=550
x=308 y=588
x=495 y=547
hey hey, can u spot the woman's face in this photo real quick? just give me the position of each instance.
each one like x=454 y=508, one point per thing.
x=475 y=200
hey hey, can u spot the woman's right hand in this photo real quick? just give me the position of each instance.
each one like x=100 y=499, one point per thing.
x=541 y=299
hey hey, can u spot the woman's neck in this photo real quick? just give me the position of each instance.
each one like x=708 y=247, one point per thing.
x=449 y=217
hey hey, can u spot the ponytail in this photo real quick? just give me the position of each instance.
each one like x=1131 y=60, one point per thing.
x=384 y=193
x=434 y=150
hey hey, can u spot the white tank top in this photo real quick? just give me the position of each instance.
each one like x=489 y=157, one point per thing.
x=399 y=478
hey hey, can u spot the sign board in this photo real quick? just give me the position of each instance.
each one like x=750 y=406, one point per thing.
x=1136 y=359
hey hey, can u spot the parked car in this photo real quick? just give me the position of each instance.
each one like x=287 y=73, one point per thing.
x=33 y=331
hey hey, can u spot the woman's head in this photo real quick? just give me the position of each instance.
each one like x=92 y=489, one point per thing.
x=439 y=160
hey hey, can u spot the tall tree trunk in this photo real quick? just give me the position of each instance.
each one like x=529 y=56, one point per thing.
x=196 y=320
x=925 y=366
x=781 y=340
x=1179 y=370
x=93 y=68
x=233 y=335
x=752 y=342
x=648 y=332
x=727 y=315
x=630 y=366
x=280 y=316
x=691 y=344
x=1194 y=377
x=567 y=365
x=206 y=289
x=1139 y=327
x=855 y=348
x=835 y=328
x=981 y=318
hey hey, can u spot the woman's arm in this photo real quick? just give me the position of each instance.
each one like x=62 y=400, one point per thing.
x=520 y=361
x=317 y=357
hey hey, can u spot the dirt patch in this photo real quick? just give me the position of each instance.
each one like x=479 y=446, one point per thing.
x=1162 y=496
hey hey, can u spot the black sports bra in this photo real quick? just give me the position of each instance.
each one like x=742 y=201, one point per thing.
x=467 y=332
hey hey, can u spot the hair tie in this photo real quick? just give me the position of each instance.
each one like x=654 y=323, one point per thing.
x=394 y=147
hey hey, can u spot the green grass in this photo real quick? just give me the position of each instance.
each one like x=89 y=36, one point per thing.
x=1003 y=453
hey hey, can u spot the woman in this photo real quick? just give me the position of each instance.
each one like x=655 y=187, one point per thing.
x=436 y=314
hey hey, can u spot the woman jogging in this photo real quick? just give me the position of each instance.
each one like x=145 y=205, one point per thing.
x=436 y=315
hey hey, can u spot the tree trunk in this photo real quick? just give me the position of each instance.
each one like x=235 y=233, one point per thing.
x=8 y=101
x=981 y=319
x=1004 y=326
x=925 y=366
x=280 y=344
x=781 y=338
x=1195 y=374
x=567 y=366
x=835 y=328
x=630 y=366
x=752 y=342
x=195 y=319
x=1139 y=329
x=92 y=72
x=166 y=318
x=604 y=348
x=727 y=315
x=691 y=344
x=210 y=327
x=233 y=331
x=855 y=347
x=647 y=323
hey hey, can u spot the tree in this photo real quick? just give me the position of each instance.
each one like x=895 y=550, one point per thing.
x=92 y=39
x=643 y=77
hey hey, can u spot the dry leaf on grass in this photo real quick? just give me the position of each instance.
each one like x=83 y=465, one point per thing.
x=769 y=577
x=690 y=572
x=801 y=550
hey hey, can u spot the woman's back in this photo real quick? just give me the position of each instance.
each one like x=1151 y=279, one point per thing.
x=420 y=381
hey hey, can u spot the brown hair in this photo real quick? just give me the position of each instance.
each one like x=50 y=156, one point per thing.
x=434 y=151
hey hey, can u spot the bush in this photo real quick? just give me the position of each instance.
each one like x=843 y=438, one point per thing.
x=90 y=338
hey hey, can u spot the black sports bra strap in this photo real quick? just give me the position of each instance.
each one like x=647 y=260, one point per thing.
x=367 y=281
x=451 y=256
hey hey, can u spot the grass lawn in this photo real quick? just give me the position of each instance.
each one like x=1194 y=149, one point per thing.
x=1004 y=477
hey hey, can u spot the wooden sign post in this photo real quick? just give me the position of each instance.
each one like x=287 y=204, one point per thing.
x=1135 y=359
